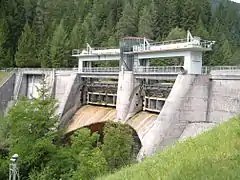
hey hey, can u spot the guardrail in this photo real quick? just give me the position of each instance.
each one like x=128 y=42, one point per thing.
x=159 y=69
x=141 y=69
x=225 y=68
x=100 y=69
x=169 y=42
x=96 y=49
x=37 y=69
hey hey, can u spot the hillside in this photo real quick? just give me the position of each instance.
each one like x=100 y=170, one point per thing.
x=213 y=155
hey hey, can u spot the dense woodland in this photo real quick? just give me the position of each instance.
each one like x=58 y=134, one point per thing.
x=42 y=33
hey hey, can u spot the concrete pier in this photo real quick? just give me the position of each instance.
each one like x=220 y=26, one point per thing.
x=129 y=100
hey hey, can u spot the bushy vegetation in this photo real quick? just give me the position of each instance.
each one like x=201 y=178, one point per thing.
x=213 y=155
x=30 y=130
x=42 y=33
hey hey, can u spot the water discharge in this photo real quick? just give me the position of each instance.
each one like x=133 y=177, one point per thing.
x=89 y=115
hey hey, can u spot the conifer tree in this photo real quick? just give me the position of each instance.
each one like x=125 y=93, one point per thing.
x=176 y=33
x=4 y=59
x=190 y=15
x=235 y=59
x=145 y=26
x=127 y=25
x=160 y=17
x=175 y=13
x=88 y=29
x=59 y=46
x=102 y=36
x=44 y=55
x=201 y=30
x=77 y=36
x=205 y=8
x=26 y=54
x=226 y=52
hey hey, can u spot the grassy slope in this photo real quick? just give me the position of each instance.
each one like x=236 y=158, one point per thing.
x=215 y=155
x=3 y=76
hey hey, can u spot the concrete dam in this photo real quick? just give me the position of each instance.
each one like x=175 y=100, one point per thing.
x=195 y=103
x=163 y=105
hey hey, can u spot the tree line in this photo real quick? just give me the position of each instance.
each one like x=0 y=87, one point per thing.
x=42 y=33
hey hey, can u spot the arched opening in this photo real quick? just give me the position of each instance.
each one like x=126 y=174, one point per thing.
x=99 y=128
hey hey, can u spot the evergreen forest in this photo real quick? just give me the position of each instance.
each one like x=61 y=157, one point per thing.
x=42 y=33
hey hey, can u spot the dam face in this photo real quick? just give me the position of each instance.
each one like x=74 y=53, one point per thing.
x=161 y=114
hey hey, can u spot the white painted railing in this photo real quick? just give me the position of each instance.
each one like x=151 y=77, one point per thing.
x=36 y=69
x=96 y=50
x=141 y=69
x=159 y=69
x=100 y=69
x=169 y=42
x=225 y=68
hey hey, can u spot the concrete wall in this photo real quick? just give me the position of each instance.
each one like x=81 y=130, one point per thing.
x=6 y=93
x=224 y=100
x=63 y=84
x=74 y=99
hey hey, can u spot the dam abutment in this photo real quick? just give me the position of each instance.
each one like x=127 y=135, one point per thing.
x=196 y=104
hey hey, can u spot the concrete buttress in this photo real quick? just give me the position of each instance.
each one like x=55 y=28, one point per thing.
x=129 y=100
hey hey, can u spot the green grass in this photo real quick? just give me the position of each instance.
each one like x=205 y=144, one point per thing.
x=215 y=155
x=3 y=75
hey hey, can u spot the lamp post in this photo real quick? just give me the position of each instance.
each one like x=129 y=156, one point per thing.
x=13 y=170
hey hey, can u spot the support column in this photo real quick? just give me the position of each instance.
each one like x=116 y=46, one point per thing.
x=193 y=62
x=80 y=65
x=147 y=64
x=89 y=64
x=136 y=63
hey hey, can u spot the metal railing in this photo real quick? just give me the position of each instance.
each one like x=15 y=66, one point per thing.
x=100 y=69
x=140 y=69
x=159 y=69
x=162 y=69
x=176 y=44
x=169 y=42
x=225 y=68
x=36 y=69
x=106 y=50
